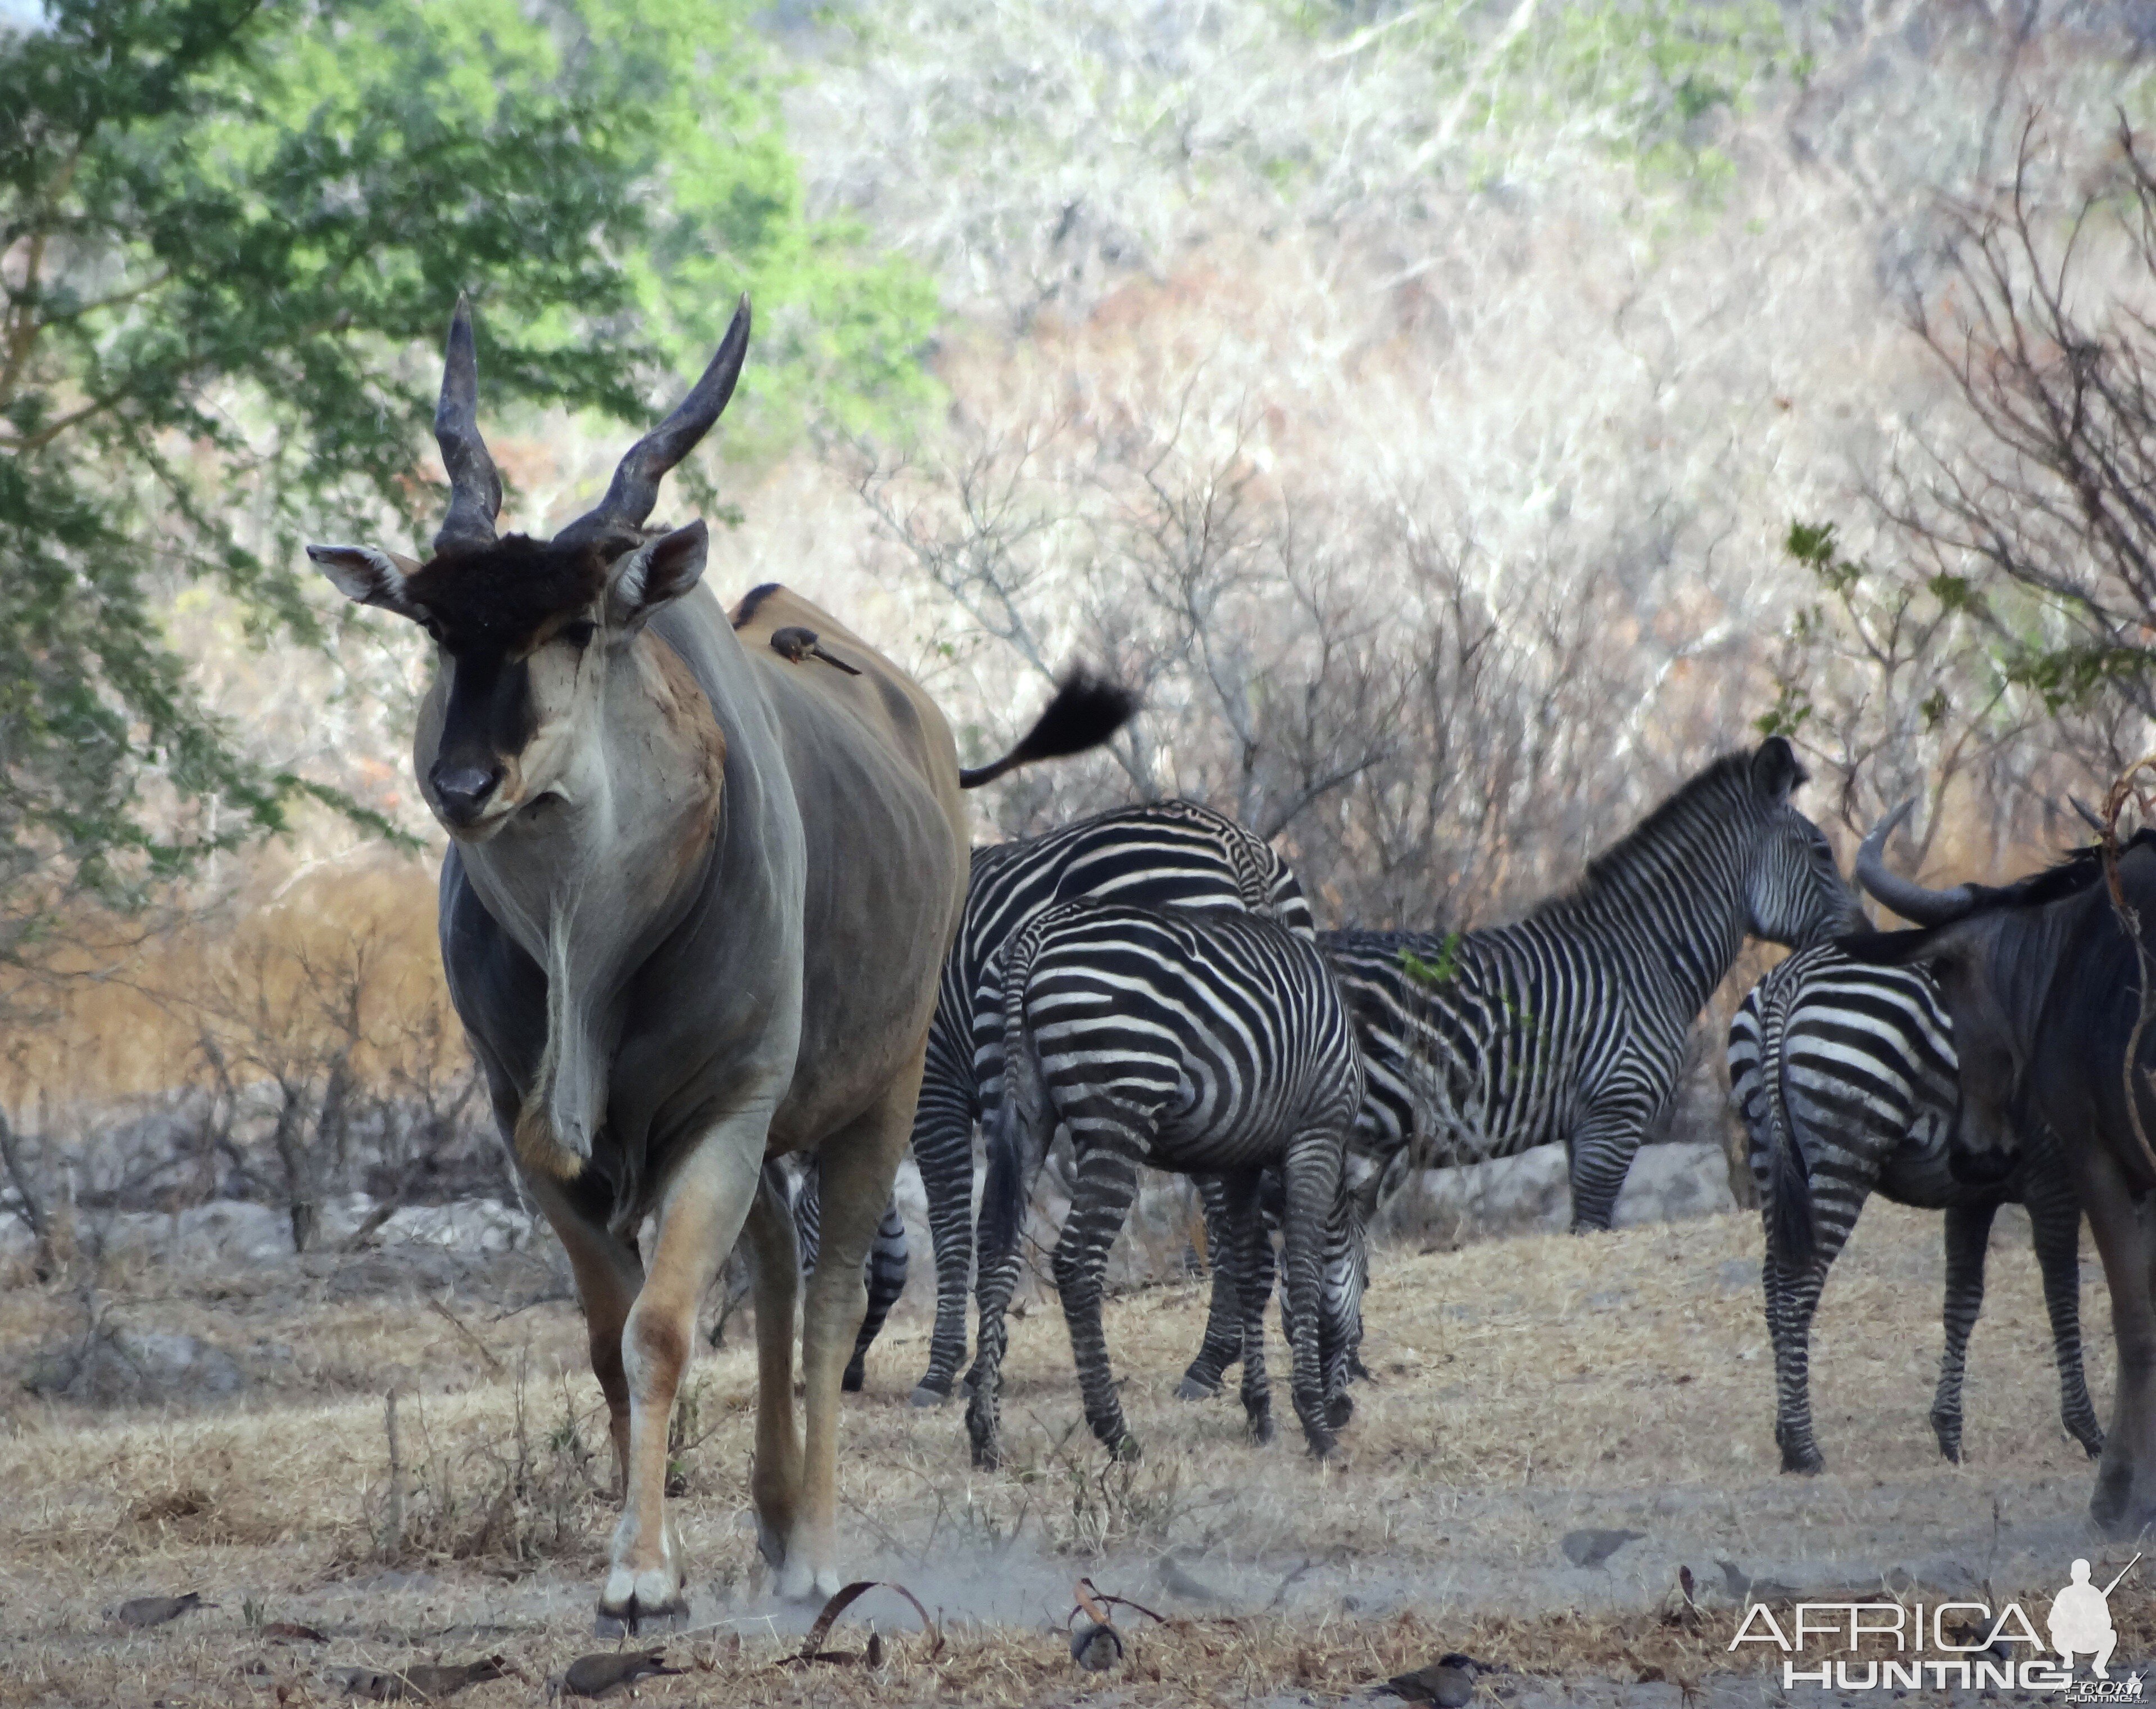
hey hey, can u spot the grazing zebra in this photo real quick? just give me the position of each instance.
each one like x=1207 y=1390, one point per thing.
x=1212 y=1043
x=1163 y=853
x=1571 y=1023
x=1846 y=1078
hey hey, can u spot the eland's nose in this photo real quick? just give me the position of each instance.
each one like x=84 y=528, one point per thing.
x=464 y=791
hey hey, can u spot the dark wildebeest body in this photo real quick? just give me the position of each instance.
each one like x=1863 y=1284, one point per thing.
x=692 y=916
x=2044 y=985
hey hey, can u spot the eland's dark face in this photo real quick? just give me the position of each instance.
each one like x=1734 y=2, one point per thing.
x=513 y=623
x=523 y=627
x=523 y=631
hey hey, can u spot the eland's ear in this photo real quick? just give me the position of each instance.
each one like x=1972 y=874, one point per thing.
x=1776 y=770
x=370 y=576
x=656 y=572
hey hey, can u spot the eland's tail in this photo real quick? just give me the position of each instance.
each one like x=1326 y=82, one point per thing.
x=1086 y=711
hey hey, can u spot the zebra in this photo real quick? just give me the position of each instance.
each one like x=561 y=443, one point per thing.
x=1213 y=1043
x=1846 y=1078
x=1158 y=854
x=1571 y=1023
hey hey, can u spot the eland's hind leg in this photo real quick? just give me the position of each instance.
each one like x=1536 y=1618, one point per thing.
x=858 y=1163
x=772 y=1233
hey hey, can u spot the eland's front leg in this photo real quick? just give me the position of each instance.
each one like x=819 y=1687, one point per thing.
x=699 y=1219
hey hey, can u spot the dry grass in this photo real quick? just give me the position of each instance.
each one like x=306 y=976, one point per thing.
x=1524 y=1387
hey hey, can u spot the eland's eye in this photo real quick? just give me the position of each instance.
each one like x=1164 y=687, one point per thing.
x=579 y=634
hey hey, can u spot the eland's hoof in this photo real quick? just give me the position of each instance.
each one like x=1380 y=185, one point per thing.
x=1196 y=1389
x=636 y=1603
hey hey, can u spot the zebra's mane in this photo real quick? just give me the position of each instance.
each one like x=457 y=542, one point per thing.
x=1698 y=805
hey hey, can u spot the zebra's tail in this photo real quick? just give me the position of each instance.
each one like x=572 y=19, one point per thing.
x=1789 y=1229
x=1002 y=1198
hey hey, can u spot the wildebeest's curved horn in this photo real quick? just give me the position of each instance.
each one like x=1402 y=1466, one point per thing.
x=1905 y=896
x=2090 y=816
x=635 y=489
x=474 y=486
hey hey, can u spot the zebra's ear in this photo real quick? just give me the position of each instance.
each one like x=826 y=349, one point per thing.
x=1776 y=770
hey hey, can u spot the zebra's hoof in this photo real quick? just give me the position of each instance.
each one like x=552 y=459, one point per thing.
x=1338 y=1410
x=1261 y=1428
x=927 y=1395
x=851 y=1382
x=1322 y=1444
x=1808 y=1462
x=1196 y=1389
x=1127 y=1449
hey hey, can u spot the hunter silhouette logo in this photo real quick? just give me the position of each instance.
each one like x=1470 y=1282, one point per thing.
x=2081 y=1619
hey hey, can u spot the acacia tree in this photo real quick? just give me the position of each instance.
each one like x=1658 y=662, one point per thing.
x=2040 y=522
x=230 y=236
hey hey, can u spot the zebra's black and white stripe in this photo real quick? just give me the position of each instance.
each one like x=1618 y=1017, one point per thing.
x=1571 y=1023
x=1212 y=1043
x=1165 y=854
x=1846 y=1078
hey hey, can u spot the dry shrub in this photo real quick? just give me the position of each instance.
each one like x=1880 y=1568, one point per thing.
x=505 y=1502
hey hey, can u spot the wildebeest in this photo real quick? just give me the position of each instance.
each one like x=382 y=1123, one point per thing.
x=696 y=898
x=2044 y=984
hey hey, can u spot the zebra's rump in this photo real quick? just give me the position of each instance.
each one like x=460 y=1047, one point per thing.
x=1220 y=1035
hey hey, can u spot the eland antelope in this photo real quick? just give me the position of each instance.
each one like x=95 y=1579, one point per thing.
x=697 y=892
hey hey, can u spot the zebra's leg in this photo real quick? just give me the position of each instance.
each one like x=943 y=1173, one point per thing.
x=886 y=1280
x=1601 y=1151
x=943 y=1152
x=809 y=1214
x=1341 y=1327
x=1223 y=1328
x=1245 y=1232
x=1969 y=1234
x=2055 y=1222
x=1311 y=1175
x=1107 y=1183
x=1792 y=1298
x=992 y=1290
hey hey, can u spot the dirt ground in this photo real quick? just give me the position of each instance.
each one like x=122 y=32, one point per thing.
x=1523 y=1389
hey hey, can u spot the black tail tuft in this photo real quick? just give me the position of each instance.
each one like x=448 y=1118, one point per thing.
x=1792 y=1231
x=1087 y=709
